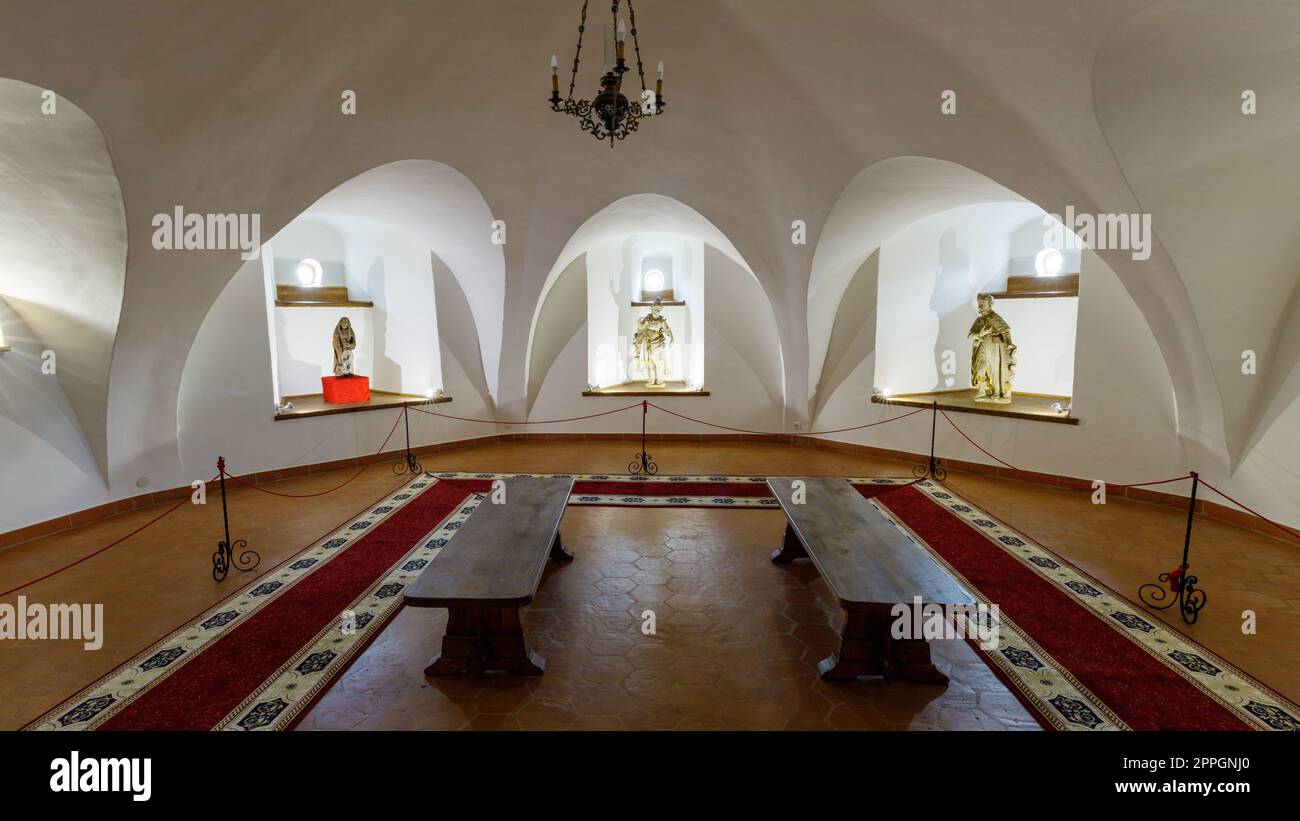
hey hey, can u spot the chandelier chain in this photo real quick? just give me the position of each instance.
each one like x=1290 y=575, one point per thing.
x=582 y=28
x=609 y=115
x=636 y=44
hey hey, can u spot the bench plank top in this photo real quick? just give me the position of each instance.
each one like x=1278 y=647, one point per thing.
x=497 y=556
x=861 y=555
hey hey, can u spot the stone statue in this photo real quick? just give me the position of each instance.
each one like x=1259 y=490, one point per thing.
x=345 y=343
x=651 y=340
x=993 y=357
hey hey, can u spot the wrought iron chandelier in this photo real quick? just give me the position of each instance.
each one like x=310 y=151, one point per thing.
x=610 y=115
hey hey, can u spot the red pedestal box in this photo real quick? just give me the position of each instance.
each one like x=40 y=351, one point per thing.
x=340 y=390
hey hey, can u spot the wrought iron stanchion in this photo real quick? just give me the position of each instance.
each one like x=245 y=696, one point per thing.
x=225 y=555
x=933 y=469
x=643 y=463
x=1190 y=599
x=409 y=463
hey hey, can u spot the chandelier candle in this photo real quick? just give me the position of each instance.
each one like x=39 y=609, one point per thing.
x=609 y=115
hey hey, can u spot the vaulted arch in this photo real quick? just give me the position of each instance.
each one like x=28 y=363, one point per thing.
x=893 y=193
x=64 y=268
x=635 y=214
x=444 y=210
x=1198 y=103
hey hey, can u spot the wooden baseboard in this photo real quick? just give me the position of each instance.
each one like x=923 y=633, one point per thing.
x=1211 y=510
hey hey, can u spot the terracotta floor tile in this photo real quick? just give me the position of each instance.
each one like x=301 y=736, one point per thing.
x=545 y=714
x=736 y=637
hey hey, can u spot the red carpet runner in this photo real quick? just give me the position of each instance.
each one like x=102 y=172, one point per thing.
x=1080 y=656
x=216 y=680
x=1138 y=682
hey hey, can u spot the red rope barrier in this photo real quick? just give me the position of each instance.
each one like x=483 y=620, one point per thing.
x=1253 y=512
x=518 y=422
x=1289 y=531
x=644 y=404
x=1151 y=484
x=779 y=433
x=405 y=480
x=352 y=478
x=1007 y=464
x=147 y=524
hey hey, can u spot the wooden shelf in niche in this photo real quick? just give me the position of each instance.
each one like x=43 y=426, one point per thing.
x=1035 y=287
x=322 y=296
x=306 y=406
x=666 y=298
x=1034 y=407
x=640 y=389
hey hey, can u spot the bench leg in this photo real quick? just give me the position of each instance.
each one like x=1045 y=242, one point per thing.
x=559 y=551
x=859 y=653
x=460 y=645
x=485 y=638
x=867 y=649
x=790 y=549
x=909 y=660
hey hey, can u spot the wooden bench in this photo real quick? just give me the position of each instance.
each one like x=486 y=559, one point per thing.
x=490 y=569
x=869 y=567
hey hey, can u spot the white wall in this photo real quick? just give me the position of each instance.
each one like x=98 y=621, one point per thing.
x=607 y=361
x=269 y=297
x=39 y=430
x=929 y=276
x=1268 y=478
x=63 y=244
x=693 y=290
x=392 y=268
x=1044 y=332
x=309 y=238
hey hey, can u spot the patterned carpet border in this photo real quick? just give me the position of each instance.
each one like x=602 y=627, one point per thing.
x=1042 y=681
x=282 y=697
x=95 y=704
x=1251 y=701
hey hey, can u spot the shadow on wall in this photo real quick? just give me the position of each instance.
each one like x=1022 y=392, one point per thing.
x=1064 y=368
x=59 y=183
x=34 y=400
x=953 y=285
x=457 y=333
x=853 y=333
x=387 y=374
x=294 y=371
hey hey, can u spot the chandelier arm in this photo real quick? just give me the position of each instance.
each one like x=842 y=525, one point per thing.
x=609 y=116
x=636 y=44
x=582 y=27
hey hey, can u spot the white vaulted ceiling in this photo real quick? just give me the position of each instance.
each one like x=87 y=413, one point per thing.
x=63 y=244
x=774 y=110
x=441 y=207
x=1221 y=184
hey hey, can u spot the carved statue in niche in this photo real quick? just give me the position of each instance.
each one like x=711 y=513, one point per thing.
x=651 y=342
x=993 y=356
x=345 y=343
